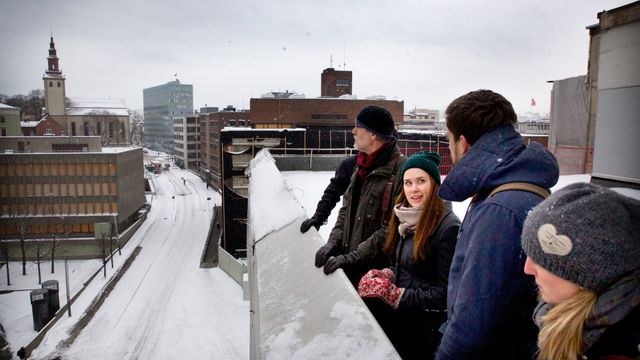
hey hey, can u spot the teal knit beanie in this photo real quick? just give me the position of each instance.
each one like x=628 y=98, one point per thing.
x=425 y=160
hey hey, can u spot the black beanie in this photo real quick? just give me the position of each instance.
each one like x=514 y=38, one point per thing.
x=586 y=234
x=376 y=119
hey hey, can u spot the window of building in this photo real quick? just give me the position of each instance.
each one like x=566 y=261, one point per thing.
x=50 y=83
x=99 y=128
x=1 y=118
x=111 y=130
x=73 y=129
x=342 y=82
x=48 y=131
x=86 y=129
x=58 y=83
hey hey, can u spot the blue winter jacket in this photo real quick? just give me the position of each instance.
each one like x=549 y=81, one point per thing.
x=489 y=298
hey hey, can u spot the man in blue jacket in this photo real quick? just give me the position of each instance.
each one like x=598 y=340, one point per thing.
x=489 y=299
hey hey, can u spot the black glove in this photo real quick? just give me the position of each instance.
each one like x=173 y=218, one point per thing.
x=325 y=252
x=307 y=224
x=342 y=261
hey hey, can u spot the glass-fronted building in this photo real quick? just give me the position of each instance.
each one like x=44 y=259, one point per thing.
x=162 y=104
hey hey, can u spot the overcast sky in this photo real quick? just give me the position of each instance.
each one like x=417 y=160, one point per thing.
x=425 y=53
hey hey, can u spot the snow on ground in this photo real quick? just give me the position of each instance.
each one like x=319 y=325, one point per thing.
x=164 y=307
x=309 y=186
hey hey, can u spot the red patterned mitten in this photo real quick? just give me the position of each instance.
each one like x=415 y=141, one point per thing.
x=382 y=288
x=384 y=273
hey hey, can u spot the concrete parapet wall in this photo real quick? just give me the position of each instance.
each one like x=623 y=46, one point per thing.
x=232 y=266
x=297 y=311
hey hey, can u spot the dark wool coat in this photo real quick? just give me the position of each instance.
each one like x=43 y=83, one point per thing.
x=336 y=188
x=490 y=299
x=425 y=281
x=359 y=225
x=413 y=326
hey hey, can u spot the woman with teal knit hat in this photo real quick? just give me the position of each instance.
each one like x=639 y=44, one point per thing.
x=409 y=298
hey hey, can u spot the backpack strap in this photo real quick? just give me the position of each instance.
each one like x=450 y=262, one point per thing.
x=542 y=192
x=386 y=198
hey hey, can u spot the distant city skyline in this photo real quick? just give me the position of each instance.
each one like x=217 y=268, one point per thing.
x=425 y=53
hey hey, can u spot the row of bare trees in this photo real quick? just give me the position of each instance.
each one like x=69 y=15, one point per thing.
x=43 y=245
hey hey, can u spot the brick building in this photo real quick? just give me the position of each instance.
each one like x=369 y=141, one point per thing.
x=328 y=121
x=210 y=126
x=336 y=83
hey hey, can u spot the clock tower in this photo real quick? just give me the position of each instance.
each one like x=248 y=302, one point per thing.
x=54 y=87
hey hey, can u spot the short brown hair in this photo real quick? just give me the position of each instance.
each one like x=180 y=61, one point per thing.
x=477 y=113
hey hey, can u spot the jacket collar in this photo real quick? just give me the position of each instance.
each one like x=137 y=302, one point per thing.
x=499 y=157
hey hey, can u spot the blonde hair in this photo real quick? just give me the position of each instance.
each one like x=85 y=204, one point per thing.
x=560 y=337
x=433 y=212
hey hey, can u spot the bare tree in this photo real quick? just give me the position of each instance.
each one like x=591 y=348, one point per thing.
x=37 y=244
x=30 y=104
x=56 y=239
x=20 y=221
x=103 y=124
x=5 y=250
x=136 y=126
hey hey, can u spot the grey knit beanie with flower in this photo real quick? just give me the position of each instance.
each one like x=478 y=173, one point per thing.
x=586 y=234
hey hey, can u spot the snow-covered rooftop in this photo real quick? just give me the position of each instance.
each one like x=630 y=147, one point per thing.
x=5 y=106
x=26 y=124
x=86 y=106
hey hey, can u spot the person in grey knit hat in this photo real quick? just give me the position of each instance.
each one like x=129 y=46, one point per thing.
x=583 y=248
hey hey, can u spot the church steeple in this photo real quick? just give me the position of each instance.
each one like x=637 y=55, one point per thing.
x=54 y=85
x=52 y=60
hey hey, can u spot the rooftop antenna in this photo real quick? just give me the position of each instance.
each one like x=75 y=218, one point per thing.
x=344 y=57
x=331 y=60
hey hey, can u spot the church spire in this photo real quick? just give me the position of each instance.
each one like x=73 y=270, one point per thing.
x=52 y=60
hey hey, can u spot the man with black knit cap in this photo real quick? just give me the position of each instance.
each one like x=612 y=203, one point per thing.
x=357 y=240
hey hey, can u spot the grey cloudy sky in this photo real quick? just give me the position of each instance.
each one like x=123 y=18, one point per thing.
x=425 y=52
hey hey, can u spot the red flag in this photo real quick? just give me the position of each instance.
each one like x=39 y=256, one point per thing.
x=533 y=102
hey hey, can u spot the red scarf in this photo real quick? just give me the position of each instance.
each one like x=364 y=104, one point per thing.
x=366 y=162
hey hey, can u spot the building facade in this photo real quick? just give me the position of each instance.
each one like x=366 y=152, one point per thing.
x=107 y=118
x=422 y=119
x=162 y=104
x=210 y=126
x=328 y=121
x=186 y=141
x=9 y=120
x=335 y=83
x=45 y=194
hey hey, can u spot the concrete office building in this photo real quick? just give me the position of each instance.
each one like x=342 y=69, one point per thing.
x=60 y=187
x=162 y=104
x=186 y=141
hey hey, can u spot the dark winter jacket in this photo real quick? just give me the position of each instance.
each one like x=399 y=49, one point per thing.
x=359 y=225
x=336 y=188
x=622 y=339
x=490 y=299
x=425 y=281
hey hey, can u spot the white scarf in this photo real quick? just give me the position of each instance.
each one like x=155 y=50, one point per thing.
x=408 y=217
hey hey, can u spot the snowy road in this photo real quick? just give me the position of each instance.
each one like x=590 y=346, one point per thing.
x=165 y=306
